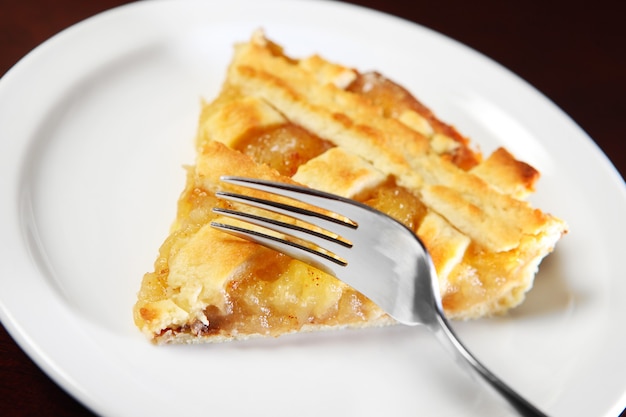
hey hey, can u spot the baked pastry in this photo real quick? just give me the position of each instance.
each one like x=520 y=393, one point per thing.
x=359 y=135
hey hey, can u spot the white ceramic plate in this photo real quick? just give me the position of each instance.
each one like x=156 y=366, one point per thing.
x=95 y=126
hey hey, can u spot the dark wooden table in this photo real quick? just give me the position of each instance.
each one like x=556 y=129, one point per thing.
x=573 y=52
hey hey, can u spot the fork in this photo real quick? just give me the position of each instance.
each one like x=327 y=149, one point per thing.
x=366 y=249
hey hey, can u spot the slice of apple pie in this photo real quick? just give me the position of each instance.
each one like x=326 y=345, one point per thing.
x=359 y=135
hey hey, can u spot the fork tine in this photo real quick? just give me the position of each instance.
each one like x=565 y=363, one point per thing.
x=309 y=244
x=316 y=198
x=331 y=224
x=293 y=230
x=318 y=258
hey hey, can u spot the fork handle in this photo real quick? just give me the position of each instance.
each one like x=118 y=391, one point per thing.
x=448 y=338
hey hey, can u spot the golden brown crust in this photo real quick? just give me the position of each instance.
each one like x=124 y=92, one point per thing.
x=361 y=136
x=508 y=175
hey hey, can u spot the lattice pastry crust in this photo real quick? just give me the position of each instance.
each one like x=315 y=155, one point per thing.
x=364 y=137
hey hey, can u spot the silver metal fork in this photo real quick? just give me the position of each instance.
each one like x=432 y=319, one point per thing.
x=366 y=249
